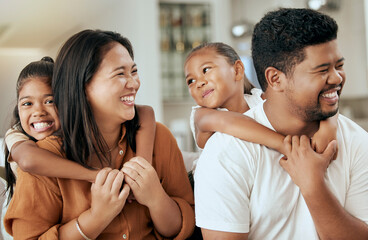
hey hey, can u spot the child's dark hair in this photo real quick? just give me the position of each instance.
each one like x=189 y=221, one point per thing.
x=226 y=51
x=281 y=36
x=37 y=69
x=75 y=65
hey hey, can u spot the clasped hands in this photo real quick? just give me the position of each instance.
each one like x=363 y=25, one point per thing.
x=112 y=187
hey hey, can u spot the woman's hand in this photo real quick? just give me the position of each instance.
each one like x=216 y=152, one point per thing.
x=143 y=180
x=107 y=199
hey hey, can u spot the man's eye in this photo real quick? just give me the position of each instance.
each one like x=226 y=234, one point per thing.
x=340 y=66
x=190 y=81
x=206 y=69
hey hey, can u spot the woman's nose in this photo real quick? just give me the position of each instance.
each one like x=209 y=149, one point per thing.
x=132 y=82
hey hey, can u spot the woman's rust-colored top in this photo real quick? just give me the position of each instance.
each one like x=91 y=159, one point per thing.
x=42 y=204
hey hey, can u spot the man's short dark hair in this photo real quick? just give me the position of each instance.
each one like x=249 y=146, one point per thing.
x=281 y=36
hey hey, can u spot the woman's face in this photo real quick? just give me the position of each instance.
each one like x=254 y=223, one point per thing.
x=37 y=112
x=111 y=91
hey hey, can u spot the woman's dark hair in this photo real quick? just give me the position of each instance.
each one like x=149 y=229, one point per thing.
x=281 y=36
x=75 y=65
x=38 y=69
x=226 y=51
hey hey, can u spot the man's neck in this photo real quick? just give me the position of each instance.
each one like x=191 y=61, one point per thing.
x=287 y=123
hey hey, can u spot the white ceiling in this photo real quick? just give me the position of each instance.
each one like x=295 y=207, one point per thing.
x=42 y=23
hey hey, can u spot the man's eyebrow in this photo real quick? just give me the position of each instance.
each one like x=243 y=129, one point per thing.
x=327 y=64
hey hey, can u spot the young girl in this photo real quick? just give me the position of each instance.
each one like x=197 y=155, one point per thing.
x=216 y=80
x=36 y=118
x=95 y=82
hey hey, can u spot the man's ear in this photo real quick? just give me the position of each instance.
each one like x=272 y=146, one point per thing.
x=274 y=78
x=239 y=70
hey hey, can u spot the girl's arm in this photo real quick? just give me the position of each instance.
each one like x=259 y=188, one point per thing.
x=146 y=134
x=207 y=121
x=325 y=134
x=30 y=158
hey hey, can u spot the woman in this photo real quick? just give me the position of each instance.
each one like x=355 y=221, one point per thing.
x=95 y=83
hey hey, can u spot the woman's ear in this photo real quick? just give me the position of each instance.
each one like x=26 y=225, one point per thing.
x=274 y=78
x=239 y=70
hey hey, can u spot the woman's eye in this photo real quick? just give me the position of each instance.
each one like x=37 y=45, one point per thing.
x=135 y=70
x=50 y=101
x=206 y=69
x=190 y=81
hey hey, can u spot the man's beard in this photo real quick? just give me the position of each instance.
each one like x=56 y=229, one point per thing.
x=316 y=114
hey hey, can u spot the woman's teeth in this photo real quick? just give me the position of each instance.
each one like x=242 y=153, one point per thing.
x=128 y=99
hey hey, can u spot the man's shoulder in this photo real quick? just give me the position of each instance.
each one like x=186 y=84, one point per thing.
x=351 y=130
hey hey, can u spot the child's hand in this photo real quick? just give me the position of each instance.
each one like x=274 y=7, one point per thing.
x=321 y=139
x=305 y=166
x=144 y=182
x=107 y=199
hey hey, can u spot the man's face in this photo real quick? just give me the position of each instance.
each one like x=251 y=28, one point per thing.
x=313 y=89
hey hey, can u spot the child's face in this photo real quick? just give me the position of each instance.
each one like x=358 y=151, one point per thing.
x=37 y=112
x=210 y=78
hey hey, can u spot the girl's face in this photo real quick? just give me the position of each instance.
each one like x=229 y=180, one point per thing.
x=37 y=112
x=210 y=78
x=111 y=91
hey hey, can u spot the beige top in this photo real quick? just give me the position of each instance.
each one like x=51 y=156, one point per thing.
x=41 y=204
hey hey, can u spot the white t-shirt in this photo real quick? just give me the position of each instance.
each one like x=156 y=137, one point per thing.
x=241 y=187
x=252 y=100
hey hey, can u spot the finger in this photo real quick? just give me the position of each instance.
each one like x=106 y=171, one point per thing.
x=124 y=192
x=330 y=150
x=287 y=143
x=101 y=176
x=295 y=142
x=135 y=166
x=305 y=141
x=110 y=178
x=132 y=173
x=118 y=181
x=142 y=162
x=283 y=162
x=132 y=184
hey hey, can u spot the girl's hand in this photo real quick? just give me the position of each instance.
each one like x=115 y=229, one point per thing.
x=143 y=180
x=305 y=166
x=107 y=199
x=322 y=138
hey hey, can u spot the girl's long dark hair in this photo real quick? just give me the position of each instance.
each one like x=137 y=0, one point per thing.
x=42 y=68
x=75 y=65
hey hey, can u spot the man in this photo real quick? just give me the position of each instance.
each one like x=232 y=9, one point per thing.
x=245 y=190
